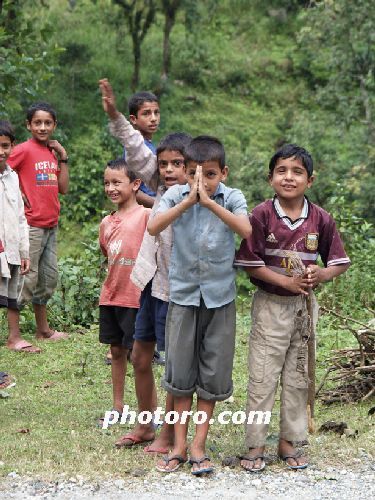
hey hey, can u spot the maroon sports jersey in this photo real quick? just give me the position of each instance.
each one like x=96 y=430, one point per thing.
x=274 y=234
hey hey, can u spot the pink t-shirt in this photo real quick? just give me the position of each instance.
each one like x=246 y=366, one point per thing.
x=120 y=238
x=37 y=168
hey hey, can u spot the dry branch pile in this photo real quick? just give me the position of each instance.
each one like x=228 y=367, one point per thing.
x=353 y=369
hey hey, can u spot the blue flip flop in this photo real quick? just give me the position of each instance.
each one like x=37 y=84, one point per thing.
x=203 y=470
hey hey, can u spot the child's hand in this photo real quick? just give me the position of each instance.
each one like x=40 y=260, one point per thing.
x=25 y=266
x=204 y=199
x=314 y=275
x=296 y=284
x=57 y=148
x=25 y=200
x=193 y=197
x=108 y=99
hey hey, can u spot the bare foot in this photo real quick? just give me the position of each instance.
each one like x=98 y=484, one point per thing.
x=292 y=457
x=253 y=461
x=162 y=444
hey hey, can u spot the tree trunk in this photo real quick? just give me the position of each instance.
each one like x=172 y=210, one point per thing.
x=168 y=25
x=137 y=63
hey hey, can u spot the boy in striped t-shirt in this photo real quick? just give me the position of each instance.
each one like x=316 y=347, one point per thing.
x=286 y=228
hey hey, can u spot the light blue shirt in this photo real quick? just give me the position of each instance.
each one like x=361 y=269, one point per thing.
x=203 y=249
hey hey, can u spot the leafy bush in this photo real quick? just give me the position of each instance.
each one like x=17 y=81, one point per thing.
x=75 y=301
x=89 y=154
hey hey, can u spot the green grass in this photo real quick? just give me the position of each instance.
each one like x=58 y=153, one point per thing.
x=60 y=394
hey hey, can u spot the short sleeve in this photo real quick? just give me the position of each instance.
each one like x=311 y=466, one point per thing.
x=236 y=202
x=251 y=251
x=17 y=157
x=331 y=248
x=169 y=199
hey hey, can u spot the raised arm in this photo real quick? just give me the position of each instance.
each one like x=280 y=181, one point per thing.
x=138 y=155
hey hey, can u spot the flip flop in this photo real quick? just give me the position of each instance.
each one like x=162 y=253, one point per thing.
x=6 y=380
x=134 y=440
x=180 y=462
x=252 y=459
x=161 y=451
x=203 y=470
x=24 y=346
x=296 y=455
x=54 y=337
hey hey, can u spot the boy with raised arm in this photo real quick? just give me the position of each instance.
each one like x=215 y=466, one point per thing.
x=200 y=329
x=287 y=231
x=151 y=269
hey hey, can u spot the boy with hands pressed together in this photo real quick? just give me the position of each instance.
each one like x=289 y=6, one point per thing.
x=287 y=231
x=200 y=327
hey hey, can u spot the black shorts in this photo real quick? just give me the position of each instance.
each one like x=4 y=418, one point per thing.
x=116 y=325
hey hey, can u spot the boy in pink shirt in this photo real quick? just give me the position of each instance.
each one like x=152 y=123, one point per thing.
x=120 y=237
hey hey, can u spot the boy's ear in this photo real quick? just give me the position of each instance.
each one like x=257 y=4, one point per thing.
x=133 y=119
x=310 y=181
x=27 y=124
x=136 y=184
x=224 y=173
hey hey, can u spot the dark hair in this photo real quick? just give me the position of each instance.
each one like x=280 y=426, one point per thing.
x=40 y=106
x=136 y=101
x=293 y=151
x=120 y=164
x=205 y=148
x=174 y=142
x=7 y=130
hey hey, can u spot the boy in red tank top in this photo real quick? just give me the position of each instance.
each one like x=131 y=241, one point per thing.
x=120 y=237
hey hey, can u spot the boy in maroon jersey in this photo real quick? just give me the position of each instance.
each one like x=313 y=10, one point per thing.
x=287 y=225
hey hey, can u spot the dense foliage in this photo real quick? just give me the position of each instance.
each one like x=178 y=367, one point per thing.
x=255 y=74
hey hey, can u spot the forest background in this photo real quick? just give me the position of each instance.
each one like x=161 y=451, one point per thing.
x=255 y=74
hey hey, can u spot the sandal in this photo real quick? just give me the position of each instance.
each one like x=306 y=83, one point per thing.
x=203 y=470
x=253 y=459
x=296 y=455
x=180 y=462
x=134 y=440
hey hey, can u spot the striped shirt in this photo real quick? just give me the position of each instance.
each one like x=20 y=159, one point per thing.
x=275 y=235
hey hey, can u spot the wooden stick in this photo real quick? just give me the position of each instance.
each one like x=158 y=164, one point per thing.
x=311 y=365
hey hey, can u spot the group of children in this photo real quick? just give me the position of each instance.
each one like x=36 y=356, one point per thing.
x=171 y=273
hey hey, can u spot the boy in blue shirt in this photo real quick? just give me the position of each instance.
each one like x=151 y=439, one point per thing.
x=200 y=329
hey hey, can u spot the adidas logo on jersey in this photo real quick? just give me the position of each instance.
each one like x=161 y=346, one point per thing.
x=271 y=238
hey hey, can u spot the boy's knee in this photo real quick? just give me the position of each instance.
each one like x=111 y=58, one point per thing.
x=118 y=352
x=141 y=362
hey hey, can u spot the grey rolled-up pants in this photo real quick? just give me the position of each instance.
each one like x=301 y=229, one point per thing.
x=278 y=324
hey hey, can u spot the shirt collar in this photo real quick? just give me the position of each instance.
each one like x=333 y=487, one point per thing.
x=7 y=171
x=282 y=215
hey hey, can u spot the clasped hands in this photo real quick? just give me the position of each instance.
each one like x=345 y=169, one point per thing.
x=198 y=193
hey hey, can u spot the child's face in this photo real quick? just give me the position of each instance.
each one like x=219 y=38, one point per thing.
x=211 y=172
x=42 y=126
x=118 y=188
x=289 y=179
x=171 y=168
x=147 y=119
x=5 y=149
